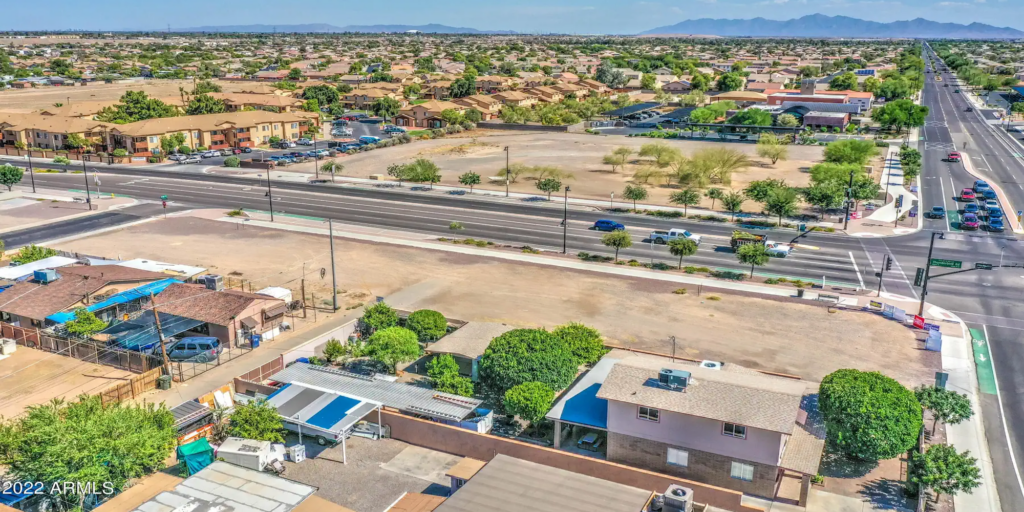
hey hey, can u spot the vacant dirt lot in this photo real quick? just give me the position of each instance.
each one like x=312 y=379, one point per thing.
x=31 y=100
x=32 y=377
x=637 y=313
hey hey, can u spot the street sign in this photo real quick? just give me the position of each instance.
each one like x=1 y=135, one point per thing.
x=936 y=262
x=983 y=266
x=918 y=322
x=919 y=278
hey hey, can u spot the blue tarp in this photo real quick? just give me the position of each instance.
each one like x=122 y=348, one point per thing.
x=195 y=456
x=333 y=412
x=118 y=298
x=140 y=334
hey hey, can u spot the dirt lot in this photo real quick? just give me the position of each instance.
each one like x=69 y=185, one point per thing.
x=31 y=100
x=32 y=377
x=785 y=337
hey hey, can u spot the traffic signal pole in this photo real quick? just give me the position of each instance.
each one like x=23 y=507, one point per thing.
x=927 y=271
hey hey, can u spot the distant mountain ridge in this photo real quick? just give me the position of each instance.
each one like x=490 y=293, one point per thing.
x=820 y=25
x=432 y=28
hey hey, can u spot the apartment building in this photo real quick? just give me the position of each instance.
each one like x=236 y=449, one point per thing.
x=426 y=115
x=363 y=98
x=239 y=101
x=486 y=105
x=515 y=98
x=44 y=131
x=214 y=131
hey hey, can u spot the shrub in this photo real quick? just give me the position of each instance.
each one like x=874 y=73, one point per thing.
x=527 y=355
x=728 y=274
x=444 y=375
x=584 y=342
x=881 y=144
x=428 y=325
x=680 y=291
x=529 y=400
x=392 y=346
x=232 y=161
x=771 y=280
x=333 y=350
x=455 y=226
x=379 y=316
x=869 y=416
x=154 y=160
x=119 y=152
x=714 y=297
x=61 y=160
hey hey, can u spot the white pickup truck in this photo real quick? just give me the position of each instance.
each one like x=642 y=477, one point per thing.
x=664 y=237
x=778 y=249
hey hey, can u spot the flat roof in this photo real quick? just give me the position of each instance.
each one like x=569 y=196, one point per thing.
x=404 y=397
x=16 y=272
x=815 y=113
x=142 y=491
x=174 y=269
x=416 y=502
x=580 y=405
x=632 y=109
x=466 y=468
x=232 y=486
x=507 y=484
x=470 y=340
x=320 y=408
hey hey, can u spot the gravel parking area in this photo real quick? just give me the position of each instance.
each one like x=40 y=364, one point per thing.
x=363 y=485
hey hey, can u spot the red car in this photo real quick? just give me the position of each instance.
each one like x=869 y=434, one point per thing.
x=953 y=157
x=967 y=195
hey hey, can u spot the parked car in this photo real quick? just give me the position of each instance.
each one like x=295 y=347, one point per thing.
x=369 y=139
x=321 y=153
x=663 y=237
x=227 y=152
x=393 y=129
x=211 y=153
x=342 y=132
x=996 y=225
x=246 y=150
x=193 y=159
x=969 y=221
x=971 y=208
x=304 y=142
x=967 y=195
x=608 y=225
x=937 y=212
x=177 y=157
x=198 y=349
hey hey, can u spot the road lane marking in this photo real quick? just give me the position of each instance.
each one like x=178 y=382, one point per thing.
x=857 y=270
x=1002 y=413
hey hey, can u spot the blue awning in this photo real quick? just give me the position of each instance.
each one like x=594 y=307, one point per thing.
x=118 y=298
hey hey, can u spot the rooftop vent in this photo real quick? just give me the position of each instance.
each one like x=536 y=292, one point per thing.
x=46 y=276
x=675 y=380
x=712 y=365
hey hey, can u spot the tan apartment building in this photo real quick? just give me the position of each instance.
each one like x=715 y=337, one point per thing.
x=238 y=101
x=363 y=98
x=214 y=131
x=488 y=106
x=545 y=94
x=426 y=115
x=51 y=132
x=493 y=84
x=516 y=99
x=594 y=85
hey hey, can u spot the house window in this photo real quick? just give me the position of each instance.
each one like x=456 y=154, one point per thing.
x=734 y=430
x=677 y=457
x=648 y=414
x=265 y=127
x=295 y=125
x=195 y=134
x=742 y=471
x=154 y=140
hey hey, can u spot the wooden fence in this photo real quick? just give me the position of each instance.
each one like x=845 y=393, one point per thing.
x=138 y=385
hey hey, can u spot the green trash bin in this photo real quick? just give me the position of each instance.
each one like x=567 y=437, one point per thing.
x=163 y=382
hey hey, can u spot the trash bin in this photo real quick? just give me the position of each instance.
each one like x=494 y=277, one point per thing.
x=163 y=382
x=803 y=227
x=800 y=293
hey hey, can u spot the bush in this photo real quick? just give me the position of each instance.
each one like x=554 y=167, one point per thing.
x=468 y=125
x=379 y=316
x=61 y=160
x=527 y=355
x=427 y=324
x=869 y=416
x=392 y=346
x=120 y=152
x=334 y=350
x=444 y=376
x=881 y=144
x=154 y=159
x=584 y=342
x=728 y=274
x=437 y=133
x=680 y=291
x=529 y=400
x=232 y=161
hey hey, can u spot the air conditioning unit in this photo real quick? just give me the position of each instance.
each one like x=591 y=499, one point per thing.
x=678 y=499
x=45 y=276
x=214 y=282
x=7 y=346
x=673 y=379
x=712 y=365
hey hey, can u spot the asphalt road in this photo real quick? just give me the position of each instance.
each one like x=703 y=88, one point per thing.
x=99 y=220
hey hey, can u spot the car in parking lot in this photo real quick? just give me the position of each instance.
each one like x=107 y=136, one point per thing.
x=969 y=221
x=211 y=153
x=967 y=195
x=369 y=139
x=304 y=142
x=193 y=159
x=937 y=212
x=393 y=129
x=342 y=132
x=199 y=349
x=608 y=225
x=177 y=157
x=996 y=225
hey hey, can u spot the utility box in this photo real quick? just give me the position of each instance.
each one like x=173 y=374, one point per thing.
x=247 y=453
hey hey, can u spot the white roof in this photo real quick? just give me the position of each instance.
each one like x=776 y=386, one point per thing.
x=20 y=271
x=173 y=269
x=276 y=292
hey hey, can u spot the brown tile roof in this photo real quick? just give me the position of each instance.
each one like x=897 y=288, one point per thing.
x=198 y=303
x=38 y=301
x=272 y=100
x=50 y=123
x=206 y=122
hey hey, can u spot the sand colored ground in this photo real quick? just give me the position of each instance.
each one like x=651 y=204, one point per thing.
x=31 y=100
x=32 y=377
x=643 y=314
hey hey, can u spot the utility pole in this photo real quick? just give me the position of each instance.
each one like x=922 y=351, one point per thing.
x=927 y=271
x=316 y=159
x=88 y=193
x=334 y=273
x=31 y=173
x=270 y=198
x=507 y=171
x=160 y=333
x=849 y=200
x=565 y=219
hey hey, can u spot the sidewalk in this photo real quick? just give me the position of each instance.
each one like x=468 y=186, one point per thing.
x=881 y=222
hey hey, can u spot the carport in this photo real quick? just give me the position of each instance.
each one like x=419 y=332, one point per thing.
x=321 y=411
x=632 y=109
x=580 y=406
x=140 y=334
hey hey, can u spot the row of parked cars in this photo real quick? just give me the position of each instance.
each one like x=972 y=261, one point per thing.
x=299 y=156
x=197 y=157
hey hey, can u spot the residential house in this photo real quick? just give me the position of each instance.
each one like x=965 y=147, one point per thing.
x=272 y=75
x=595 y=86
x=566 y=77
x=488 y=107
x=467 y=345
x=516 y=98
x=578 y=91
x=215 y=131
x=228 y=315
x=438 y=90
x=493 y=83
x=677 y=87
x=51 y=132
x=363 y=98
x=426 y=115
x=545 y=94
x=352 y=79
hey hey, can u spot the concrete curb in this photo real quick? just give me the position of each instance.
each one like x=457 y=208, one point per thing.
x=1010 y=216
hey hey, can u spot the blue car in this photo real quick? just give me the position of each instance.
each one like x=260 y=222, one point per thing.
x=980 y=185
x=996 y=225
x=988 y=193
x=608 y=225
x=971 y=208
x=995 y=212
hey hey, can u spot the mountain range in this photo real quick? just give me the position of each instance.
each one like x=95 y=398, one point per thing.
x=819 y=25
x=432 y=28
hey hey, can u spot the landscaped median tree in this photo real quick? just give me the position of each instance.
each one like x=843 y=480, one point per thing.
x=617 y=240
x=944 y=470
x=392 y=346
x=634 y=193
x=87 y=443
x=530 y=401
x=733 y=203
x=527 y=355
x=714 y=194
x=682 y=247
x=549 y=185
x=869 y=416
x=825 y=196
x=469 y=179
x=257 y=420
x=946 y=405
x=753 y=254
x=686 y=197
x=781 y=202
x=10 y=176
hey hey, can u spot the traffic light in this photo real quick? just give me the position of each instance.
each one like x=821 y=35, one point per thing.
x=899 y=202
x=888 y=263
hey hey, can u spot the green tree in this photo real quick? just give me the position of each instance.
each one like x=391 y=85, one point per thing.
x=473 y=115
x=730 y=82
x=444 y=376
x=379 y=316
x=428 y=325
x=781 y=202
x=385 y=107
x=869 y=416
x=944 y=470
x=946 y=405
x=663 y=154
x=753 y=254
x=900 y=114
x=400 y=172
x=32 y=252
x=752 y=117
x=703 y=116
x=232 y=161
x=825 y=196
x=682 y=247
x=648 y=81
x=760 y=190
x=771 y=147
x=634 y=193
x=618 y=157
x=617 y=240
x=75 y=141
x=10 y=175
x=463 y=87
x=311 y=105
x=323 y=94
x=334 y=350
x=714 y=194
x=422 y=170
x=169 y=143
x=872 y=85
x=451 y=116
x=583 y=342
x=527 y=355
x=344 y=88
x=85 y=324
x=787 y=120
x=850 y=151
x=469 y=179
x=87 y=443
x=530 y=401
x=205 y=104
x=733 y=203
x=686 y=197
x=135 y=106
x=392 y=346
x=294 y=74
x=843 y=82
x=257 y=420
x=549 y=185
x=206 y=87
x=332 y=167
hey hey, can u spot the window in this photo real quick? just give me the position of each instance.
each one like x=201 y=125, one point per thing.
x=677 y=457
x=733 y=430
x=265 y=127
x=648 y=413
x=154 y=140
x=295 y=125
x=742 y=471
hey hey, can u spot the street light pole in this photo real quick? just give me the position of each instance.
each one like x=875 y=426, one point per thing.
x=507 y=171
x=316 y=159
x=88 y=193
x=565 y=219
x=31 y=173
x=334 y=274
x=270 y=197
x=927 y=272
x=849 y=199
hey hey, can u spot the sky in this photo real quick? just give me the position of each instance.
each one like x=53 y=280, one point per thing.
x=563 y=16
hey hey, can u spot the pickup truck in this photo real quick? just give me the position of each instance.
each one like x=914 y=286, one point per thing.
x=775 y=249
x=664 y=237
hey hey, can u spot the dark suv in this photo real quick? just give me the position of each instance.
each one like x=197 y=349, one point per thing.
x=198 y=349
